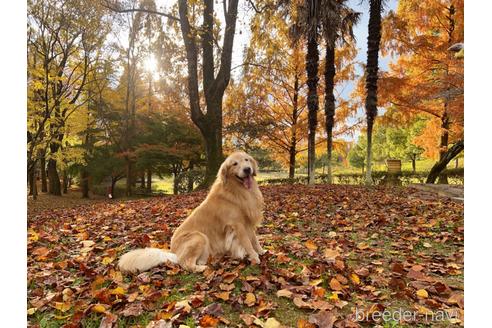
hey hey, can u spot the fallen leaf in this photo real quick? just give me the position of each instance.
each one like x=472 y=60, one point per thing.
x=319 y=292
x=423 y=310
x=108 y=321
x=331 y=254
x=223 y=295
x=87 y=243
x=209 y=321
x=301 y=323
x=214 y=309
x=160 y=324
x=107 y=260
x=315 y=282
x=335 y=284
x=98 y=308
x=132 y=310
x=311 y=245
x=271 y=323
x=247 y=318
x=250 y=299
x=227 y=287
x=132 y=297
x=33 y=235
x=422 y=293
x=62 y=306
x=118 y=291
x=323 y=319
x=184 y=306
x=41 y=251
x=284 y=293
x=355 y=278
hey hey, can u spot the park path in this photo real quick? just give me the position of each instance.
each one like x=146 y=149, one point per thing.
x=455 y=192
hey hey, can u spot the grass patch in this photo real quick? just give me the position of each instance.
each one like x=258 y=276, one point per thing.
x=287 y=313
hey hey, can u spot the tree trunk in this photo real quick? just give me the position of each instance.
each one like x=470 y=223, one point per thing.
x=445 y=159
x=30 y=181
x=214 y=85
x=54 y=178
x=129 y=182
x=175 y=183
x=142 y=179
x=190 y=177
x=414 y=165
x=113 y=184
x=329 y=103
x=293 y=137
x=84 y=182
x=149 y=181
x=373 y=40
x=292 y=161
x=213 y=147
x=134 y=179
x=34 y=185
x=312 y=62
x=33 y=188
x=65 y=182
x=443 y=178
x=456 y=163
x=369 y=180
x=44 y=182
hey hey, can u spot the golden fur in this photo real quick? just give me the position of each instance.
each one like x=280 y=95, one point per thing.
x=224 y=223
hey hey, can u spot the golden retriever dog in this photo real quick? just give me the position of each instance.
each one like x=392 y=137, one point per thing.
x=224 y=223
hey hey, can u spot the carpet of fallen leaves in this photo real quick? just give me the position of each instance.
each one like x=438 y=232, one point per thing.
x=333 y=252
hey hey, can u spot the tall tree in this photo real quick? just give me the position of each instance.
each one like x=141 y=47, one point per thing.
x=372 y=67
x=205 y=104
x=63 y=37
x=337 y=24
x=131 y=58
x=427 y=79
x=214 y=85
x=268 y=104
x=306 y=26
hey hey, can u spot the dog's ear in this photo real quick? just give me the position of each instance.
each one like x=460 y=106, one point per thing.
x=222 y=174
x=255 y=166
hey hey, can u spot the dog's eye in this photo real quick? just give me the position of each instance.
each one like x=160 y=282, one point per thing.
x=235 y=163
x=246 y=159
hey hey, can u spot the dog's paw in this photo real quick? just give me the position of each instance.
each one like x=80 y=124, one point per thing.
x=254 y=259
x=200 y=268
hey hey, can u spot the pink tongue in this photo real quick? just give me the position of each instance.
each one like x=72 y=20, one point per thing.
x=247 y=181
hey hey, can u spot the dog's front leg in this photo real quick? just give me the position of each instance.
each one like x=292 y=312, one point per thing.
x=254 y=240
x=244 y=240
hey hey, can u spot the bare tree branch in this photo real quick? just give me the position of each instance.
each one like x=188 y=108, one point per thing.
x=115 y=8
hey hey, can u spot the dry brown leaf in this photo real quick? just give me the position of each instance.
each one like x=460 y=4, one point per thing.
x=335 y=284
x=250 y=299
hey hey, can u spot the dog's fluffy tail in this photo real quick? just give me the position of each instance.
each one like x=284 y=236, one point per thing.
x=143 y=259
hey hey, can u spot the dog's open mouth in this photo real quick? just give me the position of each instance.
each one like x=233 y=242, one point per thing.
x=247 y=181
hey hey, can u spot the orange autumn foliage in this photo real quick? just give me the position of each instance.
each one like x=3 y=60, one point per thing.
x=426 y=79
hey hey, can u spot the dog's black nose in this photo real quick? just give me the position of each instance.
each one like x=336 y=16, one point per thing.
x=247 y=170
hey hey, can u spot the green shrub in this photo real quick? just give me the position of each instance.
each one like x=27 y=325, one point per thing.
x=455 y=176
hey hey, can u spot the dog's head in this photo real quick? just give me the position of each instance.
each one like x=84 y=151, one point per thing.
x=240 y=168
